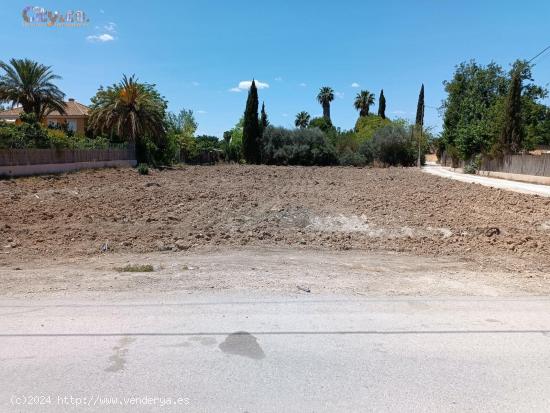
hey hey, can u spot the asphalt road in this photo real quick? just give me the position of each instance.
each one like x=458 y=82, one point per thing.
x=230 y=352
x=522 y=187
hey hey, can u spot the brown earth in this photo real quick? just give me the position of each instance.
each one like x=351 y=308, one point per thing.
x=192 y=208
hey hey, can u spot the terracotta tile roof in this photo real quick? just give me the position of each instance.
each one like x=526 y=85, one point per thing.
x=73 y=109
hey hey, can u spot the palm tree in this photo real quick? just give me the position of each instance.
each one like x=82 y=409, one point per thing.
x=302 y=120
x=129 y=109
x=325 y=96
x=30 y=84
x=362 y=103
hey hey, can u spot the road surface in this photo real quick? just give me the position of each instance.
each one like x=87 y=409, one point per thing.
x=522 y=187
x=294 y=353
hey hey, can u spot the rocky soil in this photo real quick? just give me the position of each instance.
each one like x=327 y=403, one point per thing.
x=196 y=207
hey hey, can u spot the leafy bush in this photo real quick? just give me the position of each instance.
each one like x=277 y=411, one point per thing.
x=33 y=135
x=324 y=124
x=159 y=152
x=473 y=165
x=297 y=147
x=349 y=158
x=11 y=137
x=366 y=126
x=206 y=142
x=143 y=169
x=346 y=141
x=392 y=145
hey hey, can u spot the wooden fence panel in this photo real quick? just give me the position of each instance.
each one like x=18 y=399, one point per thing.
x=526 y=164
x=15 y=157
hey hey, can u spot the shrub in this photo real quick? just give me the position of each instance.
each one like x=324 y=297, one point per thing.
x=366 y=150
x=58 y=138
x=392 y=145
x=346 y=141
x=473 y=165
x=11 y=137
x=143 y=169
x=136 y=268
x=366 y=126
x=322 y=123
x=349 y=158
x=282 y=146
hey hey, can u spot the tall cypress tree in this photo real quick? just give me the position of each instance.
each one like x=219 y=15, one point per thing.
x=251 y=127
x=512 y=133
x=264 y=121
x=420 y=108
x=382 y=105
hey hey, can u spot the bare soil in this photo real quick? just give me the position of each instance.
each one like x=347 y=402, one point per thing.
x=261 y=270
x=117 y=211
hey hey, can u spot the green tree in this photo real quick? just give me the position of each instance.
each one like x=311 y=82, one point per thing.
x=132 y=111
x=363 y=101
x=325 y=96
x=264 y=121
x=511 y=138
x=477 y=109
x=235 y=147
x=472 y=119
x=366 y=126
x=382 y=105
x=182 y=127
x=31 y=85
x=420 y=108
x=302 y=120
x=251 y=127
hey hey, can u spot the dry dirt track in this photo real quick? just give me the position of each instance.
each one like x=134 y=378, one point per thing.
x=192 y=208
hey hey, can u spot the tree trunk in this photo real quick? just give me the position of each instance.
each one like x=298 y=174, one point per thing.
x=326 y=111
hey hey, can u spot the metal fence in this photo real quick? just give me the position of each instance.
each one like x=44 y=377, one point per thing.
x=16 y=157
x=525 y=164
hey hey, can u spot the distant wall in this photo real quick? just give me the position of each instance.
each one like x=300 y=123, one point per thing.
x=525 y=164
x=20 y=162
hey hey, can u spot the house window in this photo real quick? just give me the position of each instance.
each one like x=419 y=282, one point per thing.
x=71 y=125
x=53 y=124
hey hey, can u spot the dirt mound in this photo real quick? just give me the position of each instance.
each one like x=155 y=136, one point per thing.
x=229 y=205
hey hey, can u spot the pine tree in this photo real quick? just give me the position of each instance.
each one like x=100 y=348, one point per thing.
x=251 y=127
x=512 y=136
x=420 y=108
x=382 y=105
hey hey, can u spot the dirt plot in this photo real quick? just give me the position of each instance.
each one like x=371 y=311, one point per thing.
x=331 y=208
x=262 y=270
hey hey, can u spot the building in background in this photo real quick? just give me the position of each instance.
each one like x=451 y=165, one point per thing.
x=75 y=117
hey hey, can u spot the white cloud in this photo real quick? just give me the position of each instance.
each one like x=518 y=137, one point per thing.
x=302 y=84
x=245 y=85
x=339 y=95
x=105 y=37
x=201 y=112
x=279 y=79
x=110 y=27
x=355 y=84
x=195 y=83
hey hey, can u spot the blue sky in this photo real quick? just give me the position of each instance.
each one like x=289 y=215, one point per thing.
x=197 y=52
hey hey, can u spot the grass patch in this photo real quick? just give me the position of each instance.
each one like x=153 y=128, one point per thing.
x=136 y=268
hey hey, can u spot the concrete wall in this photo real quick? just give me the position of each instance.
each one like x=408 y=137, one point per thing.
x=37 y=169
